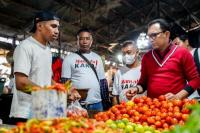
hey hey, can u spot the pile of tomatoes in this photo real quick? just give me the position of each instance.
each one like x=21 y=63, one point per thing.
x=157 y=112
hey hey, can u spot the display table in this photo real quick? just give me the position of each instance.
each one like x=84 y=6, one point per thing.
x=7 y=126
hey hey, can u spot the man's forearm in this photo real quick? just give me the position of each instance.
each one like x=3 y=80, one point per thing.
x=53 y=82
x=23 y=83
x=182 y=94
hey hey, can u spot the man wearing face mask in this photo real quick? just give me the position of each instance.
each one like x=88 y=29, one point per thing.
x=127 y=76
x=77 y=69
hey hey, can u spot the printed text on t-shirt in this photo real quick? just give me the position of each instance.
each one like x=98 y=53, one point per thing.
x=83 y=64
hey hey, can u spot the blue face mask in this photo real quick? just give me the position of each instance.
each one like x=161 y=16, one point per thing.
x=128 y=59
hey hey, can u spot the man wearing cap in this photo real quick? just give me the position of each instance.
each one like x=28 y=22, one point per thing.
x=32 y=63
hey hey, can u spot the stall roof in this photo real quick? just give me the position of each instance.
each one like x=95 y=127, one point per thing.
x=110 y=20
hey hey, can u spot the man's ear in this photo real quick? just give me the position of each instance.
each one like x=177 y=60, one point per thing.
x=39 y=25
x=167 y=33
x=187 y=43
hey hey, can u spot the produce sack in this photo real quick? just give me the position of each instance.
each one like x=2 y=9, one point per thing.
x=49 y=102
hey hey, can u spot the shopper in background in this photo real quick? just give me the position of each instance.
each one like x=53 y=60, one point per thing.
x=167 y=69
x=32 y=63
x=83 y=76
x=127 y=76
x=9 y=85
x=183 y=41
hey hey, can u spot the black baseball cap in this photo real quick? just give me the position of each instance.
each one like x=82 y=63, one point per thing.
x=43 y=16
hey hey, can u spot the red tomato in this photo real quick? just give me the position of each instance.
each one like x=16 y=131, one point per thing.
x=148 y=113
x=163 y=115
x=136 y=113
x=170 y=114
x=168 y=119
x=164 y=110
x=158 y=124
x=136 y=100
x=162 y=98
x=151 y=120
x=174 y=121
x=170 y=104
x=114 y=109
x=185 y=110
x=125 y=116
x=181 y=122
x=131 y=112
x=185 y=117
x=157 y=118
x=177 y=102
x=165 y=126
x=136 y=118
x=119 y=117
x=123 y=111
x=117 y=112
x=178 y=115
x=193 y=101
x=143 y=118
x=176 y=109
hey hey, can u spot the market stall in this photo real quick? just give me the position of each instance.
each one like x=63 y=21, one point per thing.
x=141 y=115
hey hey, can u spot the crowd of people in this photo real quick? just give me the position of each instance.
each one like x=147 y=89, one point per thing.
x=169 y=68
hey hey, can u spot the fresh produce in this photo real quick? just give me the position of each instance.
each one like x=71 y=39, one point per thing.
x=192 y=124
x=157 y=112
x=129 y=127
x=57 y=86
x=64 y=125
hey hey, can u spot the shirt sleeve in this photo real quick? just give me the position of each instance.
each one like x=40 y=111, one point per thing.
x=143 y=77
x=66 y=67
x=190 y=72
x=116 y=84
x=100 y=69
x=22 y=60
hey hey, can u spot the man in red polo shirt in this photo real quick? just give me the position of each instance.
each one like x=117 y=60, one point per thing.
x=167 y=69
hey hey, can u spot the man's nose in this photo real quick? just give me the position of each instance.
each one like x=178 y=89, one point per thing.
x=56 y=31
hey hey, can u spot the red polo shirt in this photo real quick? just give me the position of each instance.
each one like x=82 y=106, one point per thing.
x=170 y=71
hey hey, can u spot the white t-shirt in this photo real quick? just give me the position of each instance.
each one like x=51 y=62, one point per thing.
x=125 y=78
x=82 y=76
x=195 y=93
x=34 y=60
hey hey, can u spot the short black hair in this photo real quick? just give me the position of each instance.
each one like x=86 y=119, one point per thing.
x=129 y=42
x=84 y=30
x=183 y=37
x=164 y=25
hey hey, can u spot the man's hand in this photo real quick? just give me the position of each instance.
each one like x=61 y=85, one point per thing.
x=180 y=95
x=74 y=95
x=131 y=93
x=170 y=96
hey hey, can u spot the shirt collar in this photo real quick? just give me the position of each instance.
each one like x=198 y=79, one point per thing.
x=160 y=54
x=38 y=43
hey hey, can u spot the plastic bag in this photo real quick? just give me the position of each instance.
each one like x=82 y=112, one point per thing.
x=48 y=104
x=76 y=110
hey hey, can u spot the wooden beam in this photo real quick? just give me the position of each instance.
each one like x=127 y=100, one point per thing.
x=102 y=9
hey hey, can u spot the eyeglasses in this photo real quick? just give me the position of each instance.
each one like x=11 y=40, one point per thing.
x=154 y=35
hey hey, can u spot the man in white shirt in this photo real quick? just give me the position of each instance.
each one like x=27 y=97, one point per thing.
x=76 y=69
x=128 y=75
x=32 y=63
